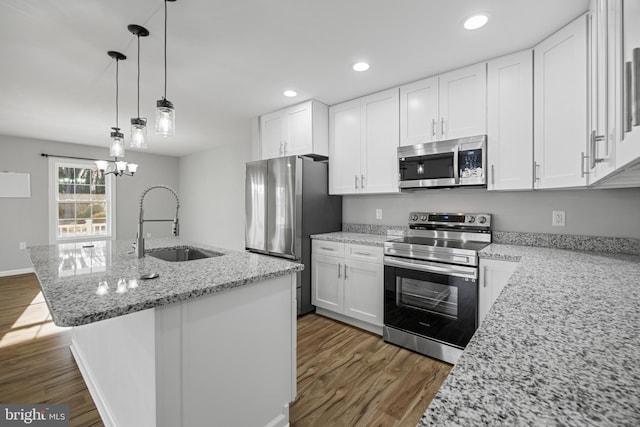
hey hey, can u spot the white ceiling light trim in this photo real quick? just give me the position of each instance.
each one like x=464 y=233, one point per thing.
x=476 y=21
x=290 y=93
x=360 y=66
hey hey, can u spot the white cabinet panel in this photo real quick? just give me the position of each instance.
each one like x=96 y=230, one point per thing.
x=494 y=276
x=363 y=142
x=419 y=112
x=297 y=130
x=463 y=108
x=510 y=122
x=364 y=291
x=327 y=282
x=560 y=107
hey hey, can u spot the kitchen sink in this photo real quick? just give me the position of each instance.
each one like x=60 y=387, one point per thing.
x=183 y=253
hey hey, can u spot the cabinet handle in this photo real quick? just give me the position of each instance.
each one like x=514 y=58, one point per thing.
x=636 y=86
x=284 y=143
x=628 y=99
x=356 y=177
x=442 y=126
x=339 y=272
x=493 y=175
x=594 y=148
x=326 y=248
x=345 y=271
x=363 y=253
x=583 y=157
x=536 y=168
x=281 y=148
x=484 y=277
x=362 y=181
x=434 y=126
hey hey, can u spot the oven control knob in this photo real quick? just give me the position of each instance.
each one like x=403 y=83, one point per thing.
x=472 y=219
x=423 y=218
x=482 y=219
x=414 y=217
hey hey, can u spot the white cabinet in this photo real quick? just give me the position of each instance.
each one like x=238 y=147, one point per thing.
x=347 y=280
x=510 y=122
x=560 y=107
x=363 y=145
x=451 y=105
x=296 y=130
x=494 y=276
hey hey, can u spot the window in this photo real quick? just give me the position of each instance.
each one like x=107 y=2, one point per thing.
x=81 y=202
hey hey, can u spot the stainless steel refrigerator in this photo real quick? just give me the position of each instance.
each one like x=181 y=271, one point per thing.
x=287 y=200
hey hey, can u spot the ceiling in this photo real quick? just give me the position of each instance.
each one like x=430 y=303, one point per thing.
x=230 y=60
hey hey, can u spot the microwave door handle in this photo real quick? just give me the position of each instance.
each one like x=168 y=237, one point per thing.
x=456 y=167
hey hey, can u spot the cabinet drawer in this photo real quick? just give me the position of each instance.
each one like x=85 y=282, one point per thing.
x=325 y=247
x=363 y=252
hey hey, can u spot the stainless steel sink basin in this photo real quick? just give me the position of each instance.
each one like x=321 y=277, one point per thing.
x=184 y=253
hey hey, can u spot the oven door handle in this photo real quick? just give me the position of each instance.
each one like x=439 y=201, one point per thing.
x=432 y=267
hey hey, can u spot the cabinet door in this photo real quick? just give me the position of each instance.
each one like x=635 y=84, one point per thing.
x=628 y=148
x=271 y=137
x=298 y=136
x=419 y=112
x=494 y=276
x=344 y=148
x=560 y=107
x=363 y=291
x=510 y=122
x=380 y=138
x=463 y=102
x=327 y=282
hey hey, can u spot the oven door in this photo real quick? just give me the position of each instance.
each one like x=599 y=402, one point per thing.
x=434 y=300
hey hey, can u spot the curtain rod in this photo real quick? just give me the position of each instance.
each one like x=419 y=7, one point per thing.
x=67 y=157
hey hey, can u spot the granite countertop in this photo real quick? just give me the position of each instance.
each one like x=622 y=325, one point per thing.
x=69 y=275
x=560 y=346
x=355 y=238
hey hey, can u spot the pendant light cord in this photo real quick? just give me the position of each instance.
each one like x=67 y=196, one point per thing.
x=165 y=49
x=138 y=75
x=117 y=61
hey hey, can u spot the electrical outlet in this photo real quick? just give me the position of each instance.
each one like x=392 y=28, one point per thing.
x=23 y=245
x=378 y=213
x=558 y=219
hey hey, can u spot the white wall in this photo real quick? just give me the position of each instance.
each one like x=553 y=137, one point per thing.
x=26 y=220
x=212 y=193
x=614 y=213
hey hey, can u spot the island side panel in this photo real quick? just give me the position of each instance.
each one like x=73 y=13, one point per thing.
x=117 y=360
x=237 y=362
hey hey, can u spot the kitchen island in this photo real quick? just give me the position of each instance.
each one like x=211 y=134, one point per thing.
x=208 y=342
x=560 y=346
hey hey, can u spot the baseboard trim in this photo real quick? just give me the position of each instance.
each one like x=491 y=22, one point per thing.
x=94 y=391
x=281 y=420
x=350 y=320
x=16 y=272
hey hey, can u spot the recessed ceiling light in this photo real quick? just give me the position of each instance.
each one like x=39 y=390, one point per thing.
x=290 y=93
x=476 y=21
x=361 y=66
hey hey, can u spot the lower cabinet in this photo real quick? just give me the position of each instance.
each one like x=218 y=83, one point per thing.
x=347 y=280
x=494 y=276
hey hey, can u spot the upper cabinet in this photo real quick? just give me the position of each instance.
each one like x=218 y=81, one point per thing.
x=561 y=108
x=363 y=143
x=297 y=130
x=510 y=122
x=451 y=105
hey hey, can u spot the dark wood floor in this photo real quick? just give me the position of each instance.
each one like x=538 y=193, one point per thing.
x=346 y=377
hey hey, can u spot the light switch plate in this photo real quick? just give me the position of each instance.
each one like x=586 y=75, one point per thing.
x=378 y=213
x=558 y=219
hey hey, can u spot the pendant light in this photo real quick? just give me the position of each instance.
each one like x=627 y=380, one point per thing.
x=165 y=113
x=138 y=124
x=116 y=146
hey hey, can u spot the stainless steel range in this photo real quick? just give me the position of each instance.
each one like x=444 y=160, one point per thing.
x=431 y=283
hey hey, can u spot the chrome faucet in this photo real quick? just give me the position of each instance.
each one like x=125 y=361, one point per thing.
x=141 y=220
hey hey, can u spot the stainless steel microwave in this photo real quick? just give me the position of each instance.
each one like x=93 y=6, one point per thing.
x=441 y=164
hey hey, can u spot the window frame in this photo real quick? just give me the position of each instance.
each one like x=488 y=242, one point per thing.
x=110 y=192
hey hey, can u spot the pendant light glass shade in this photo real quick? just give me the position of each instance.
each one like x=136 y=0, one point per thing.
x=138 y=133
x=165 y=113
x=165 y=118
x=116 y=148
